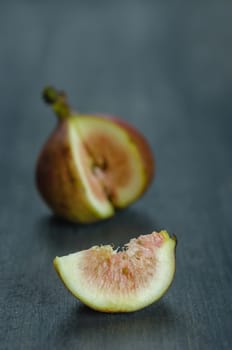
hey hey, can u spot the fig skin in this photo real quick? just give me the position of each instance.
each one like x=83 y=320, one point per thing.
x=59 y=181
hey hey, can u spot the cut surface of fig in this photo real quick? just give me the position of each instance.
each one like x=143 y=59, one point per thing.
x=92 y=187
x=118 y=160
x=120 y=281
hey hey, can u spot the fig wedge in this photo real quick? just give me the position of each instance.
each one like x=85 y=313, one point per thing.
x=120 y=281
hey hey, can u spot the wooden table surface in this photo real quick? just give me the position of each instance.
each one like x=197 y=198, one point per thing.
x=166 y=67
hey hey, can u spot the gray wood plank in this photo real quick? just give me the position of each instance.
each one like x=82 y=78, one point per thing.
x=165 y=67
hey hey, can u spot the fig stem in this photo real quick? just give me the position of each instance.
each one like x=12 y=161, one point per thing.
x=58 y=101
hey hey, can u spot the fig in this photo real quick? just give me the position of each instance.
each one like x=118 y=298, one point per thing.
x=110 y=280
x=91 y=164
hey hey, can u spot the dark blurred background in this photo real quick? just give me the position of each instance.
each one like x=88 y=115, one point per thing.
x=166 y=67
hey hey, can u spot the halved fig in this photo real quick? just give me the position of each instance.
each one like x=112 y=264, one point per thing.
x=120 y=281
x=91 y=164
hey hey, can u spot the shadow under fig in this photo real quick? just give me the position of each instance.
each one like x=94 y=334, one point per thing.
x=63 y=237
x=85 y=326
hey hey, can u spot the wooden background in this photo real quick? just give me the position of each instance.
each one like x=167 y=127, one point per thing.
x=166 y=67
